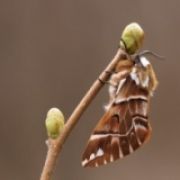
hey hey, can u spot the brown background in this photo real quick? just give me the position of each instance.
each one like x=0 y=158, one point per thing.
x=51 y=52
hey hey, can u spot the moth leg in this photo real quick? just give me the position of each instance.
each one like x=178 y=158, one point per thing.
x=110 y=72
x=119 y=86
x=109 y=82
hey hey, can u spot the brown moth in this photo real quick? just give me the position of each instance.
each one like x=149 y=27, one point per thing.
x=125 y=125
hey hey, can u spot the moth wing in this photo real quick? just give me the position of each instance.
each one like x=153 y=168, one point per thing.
x=122 y=129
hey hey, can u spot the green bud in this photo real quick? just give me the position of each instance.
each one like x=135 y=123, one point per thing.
x=132 y=38
x=54 y=122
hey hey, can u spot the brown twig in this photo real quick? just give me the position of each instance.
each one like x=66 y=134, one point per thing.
x=55 y=146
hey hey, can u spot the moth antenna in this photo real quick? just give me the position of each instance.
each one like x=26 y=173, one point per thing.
x=148 y=52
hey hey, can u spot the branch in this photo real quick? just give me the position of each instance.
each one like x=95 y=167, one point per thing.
x=55 y=146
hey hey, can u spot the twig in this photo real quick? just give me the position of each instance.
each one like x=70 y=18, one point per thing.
x=55 y=146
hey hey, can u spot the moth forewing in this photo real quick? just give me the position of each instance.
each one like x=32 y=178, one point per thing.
x=124 y=126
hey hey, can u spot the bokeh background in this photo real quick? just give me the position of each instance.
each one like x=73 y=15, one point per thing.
x=50 y=54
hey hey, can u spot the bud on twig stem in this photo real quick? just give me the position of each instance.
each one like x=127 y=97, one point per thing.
x=54 y=122
x=132 y=38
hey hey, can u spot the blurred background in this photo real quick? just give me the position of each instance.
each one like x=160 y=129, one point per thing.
x=50 y=54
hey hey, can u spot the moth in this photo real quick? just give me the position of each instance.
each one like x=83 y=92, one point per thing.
x=125 y=125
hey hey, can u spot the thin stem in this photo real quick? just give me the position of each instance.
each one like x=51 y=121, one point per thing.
x=55 y=146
